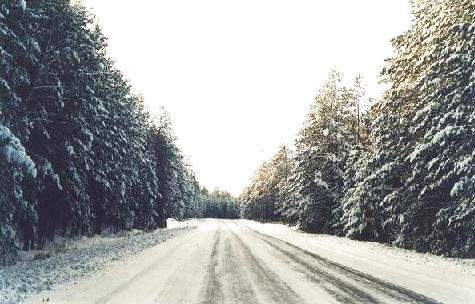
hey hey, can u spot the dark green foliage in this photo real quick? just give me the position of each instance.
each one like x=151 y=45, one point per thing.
x=78 y=151
x=17 y=214
x=434 y=207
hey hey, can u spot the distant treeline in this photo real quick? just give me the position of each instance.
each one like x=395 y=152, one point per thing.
x=219 y=204
x=78 y=151
x=402 y=173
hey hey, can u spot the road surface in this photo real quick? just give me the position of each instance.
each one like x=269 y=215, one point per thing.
x=226 y=261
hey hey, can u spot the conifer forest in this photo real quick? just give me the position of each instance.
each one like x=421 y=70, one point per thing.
x=401 y=173
x=79 y=150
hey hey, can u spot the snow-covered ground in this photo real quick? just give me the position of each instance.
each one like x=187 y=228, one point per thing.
x=447 y=280
x=235 y=261
x=78 y=258
x=240 y=261
x=339 y=247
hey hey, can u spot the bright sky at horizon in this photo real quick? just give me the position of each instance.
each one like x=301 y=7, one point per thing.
x=238 y=77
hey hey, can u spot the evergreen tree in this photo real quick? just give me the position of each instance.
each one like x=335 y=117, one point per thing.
x=437 y=77
x=264 y=197
x=417 y=180
x=17 y=213
x=329 y=133
x=219 y=204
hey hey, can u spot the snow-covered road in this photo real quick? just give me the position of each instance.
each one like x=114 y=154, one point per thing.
x=224 y=261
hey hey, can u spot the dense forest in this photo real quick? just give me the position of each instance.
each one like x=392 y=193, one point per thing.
x=401 y=173
x=78 y=149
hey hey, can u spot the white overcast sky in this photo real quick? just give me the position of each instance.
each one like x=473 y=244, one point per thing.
x=238 y=76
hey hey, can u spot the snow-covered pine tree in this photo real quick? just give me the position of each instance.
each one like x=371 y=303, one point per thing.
x=322 y=147
x=194 y=204
x=17 y=213
x=263 y=199
x=415 y=186
x=169 y=168
x=434 y=65
x=19 y=53
x=257 y=199
x=282 y=166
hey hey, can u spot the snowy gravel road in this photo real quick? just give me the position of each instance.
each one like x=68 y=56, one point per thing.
x=225 y=261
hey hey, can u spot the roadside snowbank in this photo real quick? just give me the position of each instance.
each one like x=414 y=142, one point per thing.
x=79 y=258
x=341 y=246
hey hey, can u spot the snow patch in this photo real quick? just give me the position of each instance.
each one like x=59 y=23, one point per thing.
x=69 y=260
x=22 y=4
x=14 y=153
x=344 y=250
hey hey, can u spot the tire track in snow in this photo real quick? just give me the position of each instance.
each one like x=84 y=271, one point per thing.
x=337 y=288
x=267 y=279
x=234 y=270
x=298 y=255
x=212 y=292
